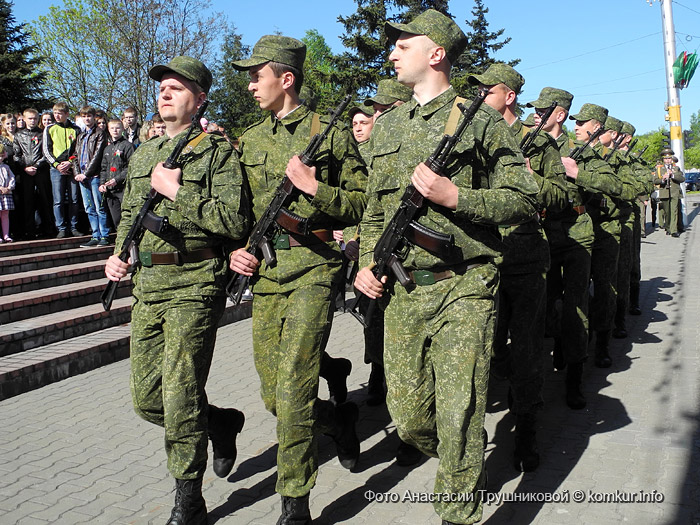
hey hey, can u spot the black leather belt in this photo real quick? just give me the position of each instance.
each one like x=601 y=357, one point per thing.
x=178 y=258
x=315 y=237
x=426 y=277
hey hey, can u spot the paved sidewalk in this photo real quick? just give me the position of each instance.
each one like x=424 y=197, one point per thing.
x=75 y=452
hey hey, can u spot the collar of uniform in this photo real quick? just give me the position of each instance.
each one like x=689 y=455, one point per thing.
x=517 y=127
x=291 y=119
x=429 y=108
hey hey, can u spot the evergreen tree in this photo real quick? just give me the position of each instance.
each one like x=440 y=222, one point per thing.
x=20 y=79
x=231 y=103
x=477 y=57
x=360 y=69
x=320 y=89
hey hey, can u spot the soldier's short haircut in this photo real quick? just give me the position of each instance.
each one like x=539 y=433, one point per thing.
x=279 y=69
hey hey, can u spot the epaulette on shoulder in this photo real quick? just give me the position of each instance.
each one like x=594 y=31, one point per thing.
x=490 y=111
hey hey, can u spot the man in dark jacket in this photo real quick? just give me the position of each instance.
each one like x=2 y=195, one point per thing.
x=87 y=164
x=115 y=161
x=29 y=158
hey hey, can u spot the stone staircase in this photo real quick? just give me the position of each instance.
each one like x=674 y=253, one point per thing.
x=52 y=324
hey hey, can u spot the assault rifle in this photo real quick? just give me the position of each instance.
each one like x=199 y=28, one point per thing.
x=276 y=215
x=591 y=137
x=403 y=230
x=630 y=147
x=529 y=139
x=639 y=155
x=146 y=219
x=616 y=145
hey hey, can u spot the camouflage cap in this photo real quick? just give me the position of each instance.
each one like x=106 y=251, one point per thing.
x=389 y=91
x=499 y=73
x=188 y=67
x=529 y=121
x=275 y=48
x=628 y=128
x=549 y=95
x=439 y=28
x=612 y=124
x=360 y=108
x=591 y=112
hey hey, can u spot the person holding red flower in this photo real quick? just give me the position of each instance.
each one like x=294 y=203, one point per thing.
x=115 y=162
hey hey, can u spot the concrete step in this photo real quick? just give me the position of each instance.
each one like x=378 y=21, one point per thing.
x=26 y=305
x=52 y=259
x=27 y=334
x=15 y=283
x=31 y=369
x=42 y=245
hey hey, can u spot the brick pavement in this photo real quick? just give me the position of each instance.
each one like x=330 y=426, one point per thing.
x=74 y=451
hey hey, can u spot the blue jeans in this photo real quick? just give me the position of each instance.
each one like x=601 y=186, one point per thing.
x=59 y=185
x=94 y=207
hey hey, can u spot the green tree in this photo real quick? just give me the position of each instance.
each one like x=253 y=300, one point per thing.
x=232 y=105
x=478 y=55
x=366 y=62
x=321 y=89
x=654 y=141
x=99 y=52
x=21 y=81
x=692 y=155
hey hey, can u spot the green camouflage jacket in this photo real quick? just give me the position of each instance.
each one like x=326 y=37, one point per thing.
x=486 y=165
x=266 y=148
x=210 y=211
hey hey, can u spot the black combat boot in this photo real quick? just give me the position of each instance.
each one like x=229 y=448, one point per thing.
x=190 y=508
x=620 y=330
x=407 y=455
x=224 y=425
x=634 y=299
x=526 y=458
x=346 y=441
x=574 y=396
x=376 y=395
x=602 y=357
x=336 y=371
x=295 y=511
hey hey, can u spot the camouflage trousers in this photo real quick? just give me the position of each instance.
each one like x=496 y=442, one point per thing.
x=289 y=332
x=624 y=263
x=606 y=250
x=521 y=314
x=639 y=227
x=568 y=281
x=172 y=344
x=437 y=347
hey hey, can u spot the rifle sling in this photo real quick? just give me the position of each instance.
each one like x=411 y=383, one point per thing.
x=434 y=242
x=453 y=119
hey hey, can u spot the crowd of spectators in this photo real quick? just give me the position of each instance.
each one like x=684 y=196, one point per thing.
x=64 y=176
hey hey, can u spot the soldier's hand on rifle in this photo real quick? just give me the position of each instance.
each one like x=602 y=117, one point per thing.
x=570 y=166
x=435 y=188
x=243 y=263
x=352 y=250
x=165 y=181
x=302 y=176
x=116 y=269
x=366 y=283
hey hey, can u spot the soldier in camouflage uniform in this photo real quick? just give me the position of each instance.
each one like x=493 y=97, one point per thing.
x=389 y=93
x=293 y=303
x=669 y=178
x=179 y=284
x=439 y=330
x=523 y=270
x=570 y=235
x=646 y=181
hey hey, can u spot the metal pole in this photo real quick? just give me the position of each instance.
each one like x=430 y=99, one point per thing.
x=674 y=99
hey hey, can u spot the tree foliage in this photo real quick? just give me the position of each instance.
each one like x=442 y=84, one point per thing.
x=232 y=106
x=692 y=155
x=478 y=55
x=20 y=76
x=99 y=52
x=321 y=89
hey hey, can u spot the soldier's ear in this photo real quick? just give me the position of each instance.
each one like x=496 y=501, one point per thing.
x=437 y=55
